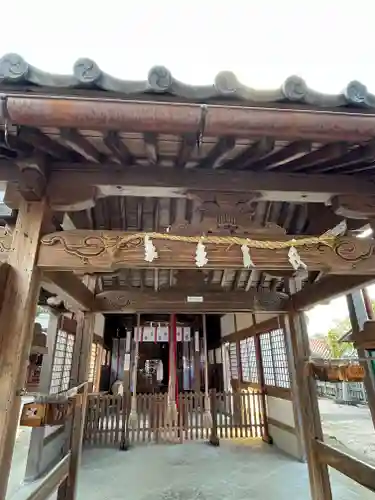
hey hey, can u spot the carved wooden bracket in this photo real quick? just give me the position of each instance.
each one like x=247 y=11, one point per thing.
x=225 y=213
x=33 y=178
x=354 y=207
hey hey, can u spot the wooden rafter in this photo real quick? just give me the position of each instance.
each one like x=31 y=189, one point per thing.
x=327 y=288
x=70 y=288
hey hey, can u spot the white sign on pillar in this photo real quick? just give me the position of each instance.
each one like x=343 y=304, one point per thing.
x=196 y=341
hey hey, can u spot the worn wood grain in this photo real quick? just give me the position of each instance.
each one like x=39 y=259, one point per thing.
x=355 y=469
x=93 y=251
x=176 y=300
x=308 y=403
x=16 y=325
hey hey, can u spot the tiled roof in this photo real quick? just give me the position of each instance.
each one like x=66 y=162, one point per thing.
x=15 y=72
x=319 y=349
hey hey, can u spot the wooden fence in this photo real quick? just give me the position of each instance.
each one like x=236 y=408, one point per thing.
x=237 y=415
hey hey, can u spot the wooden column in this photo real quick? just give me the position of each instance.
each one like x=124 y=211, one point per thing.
x=292 y=363
x=83 y=341
x=17 y=325
x=308 y=402
x=34 y=459
x=358 y=314
x=127 y=360
x=197 y=362
x=259 y=360
x=98 y=364
x=81 y=361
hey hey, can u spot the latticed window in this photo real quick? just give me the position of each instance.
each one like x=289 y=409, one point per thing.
x=280 y=358
x=233 y=363
x=275 y=360
x=62 y=362
x=249 y=360
x=266 y=349
x=93 y=360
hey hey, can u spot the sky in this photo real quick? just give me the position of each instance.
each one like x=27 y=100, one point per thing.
x=325 y=42
x=323 y=317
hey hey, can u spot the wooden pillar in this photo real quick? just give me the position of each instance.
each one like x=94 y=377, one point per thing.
x=83 y=341
x=34 y=459
x=259 y=361
x=81 y=366
x=358 y=314
x=17 y=325
x=98 y=364
x=237 y=400
x=292 y=363
x=308 y=401
x=127 y=361
x=197 y=362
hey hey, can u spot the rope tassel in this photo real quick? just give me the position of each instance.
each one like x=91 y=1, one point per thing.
x=150 y=250
x=247 y=261
x=200 y=255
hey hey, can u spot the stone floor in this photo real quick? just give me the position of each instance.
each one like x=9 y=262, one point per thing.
x=235 y=471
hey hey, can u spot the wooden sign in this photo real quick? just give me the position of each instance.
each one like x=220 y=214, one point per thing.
x=42 y=414
x=331 y=372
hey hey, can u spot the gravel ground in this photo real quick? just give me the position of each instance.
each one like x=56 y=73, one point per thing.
x=351 y=426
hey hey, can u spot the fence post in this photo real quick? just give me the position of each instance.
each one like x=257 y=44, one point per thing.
x=214 y=438
x=68 y=489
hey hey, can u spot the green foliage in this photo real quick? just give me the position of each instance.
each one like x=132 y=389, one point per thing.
x=339 y=349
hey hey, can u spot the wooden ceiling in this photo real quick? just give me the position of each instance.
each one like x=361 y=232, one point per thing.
x=111 y=151
x=114 y=149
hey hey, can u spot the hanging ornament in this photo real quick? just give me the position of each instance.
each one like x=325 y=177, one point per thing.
x=200 y=255
x=247 y=261
x=150 y=250
x=295 y=259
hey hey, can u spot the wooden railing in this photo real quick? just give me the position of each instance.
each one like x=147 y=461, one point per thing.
x=361 y=472
x=47 y=485
x=236 y=415
x=63 y=476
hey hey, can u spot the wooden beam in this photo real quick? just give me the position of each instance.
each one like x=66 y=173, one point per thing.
x=74 y=140
x=328 y=288
x=180 y=118
x=44 y=143
x=187 y=145
x=176 y=300
x=88 y=252
x=119 y=150
x=218 y=153
x=168 y=182
x=361 y=472
x=70 y=288
x=281 y=156
x=151 y=147
x=17 y=315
